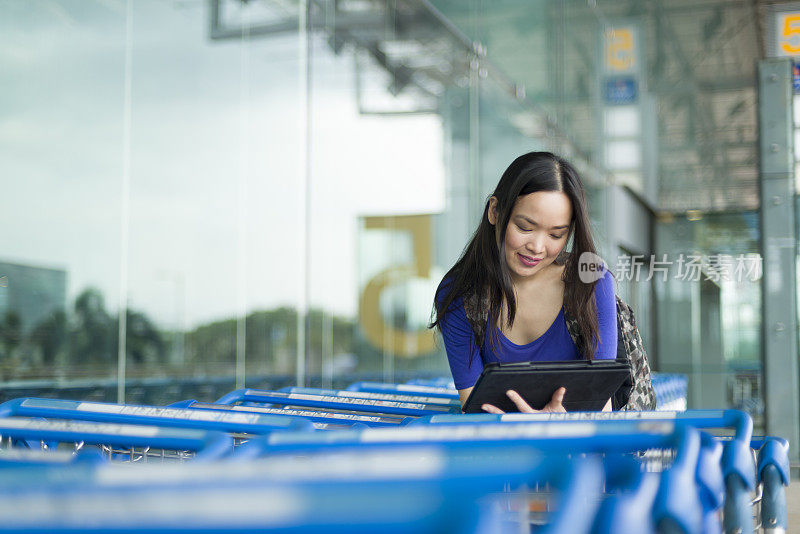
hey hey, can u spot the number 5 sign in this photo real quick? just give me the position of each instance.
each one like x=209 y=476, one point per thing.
x=401 y=265
x=783 y=34
x=790 y=34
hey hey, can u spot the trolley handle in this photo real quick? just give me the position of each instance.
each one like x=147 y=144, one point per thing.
x=335 y=402
x=153 y=415
x=208 y=444
x=344 y=420
x=576 y=504
x=628 y=510
x=739 y=421
x=774 y=451
x=25 y=458
x=773 y=473
x=673 y=504
x=404 y=389
x=709 y=472
x=585 y=436
x=420 y=399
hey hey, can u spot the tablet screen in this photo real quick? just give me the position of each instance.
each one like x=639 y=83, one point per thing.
x=589 y=384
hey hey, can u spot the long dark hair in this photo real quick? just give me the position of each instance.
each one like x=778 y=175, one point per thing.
x=482 y=270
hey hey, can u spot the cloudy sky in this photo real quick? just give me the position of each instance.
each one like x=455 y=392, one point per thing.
x=216 y=160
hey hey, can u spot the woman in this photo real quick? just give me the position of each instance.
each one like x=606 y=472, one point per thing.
x=516 y=273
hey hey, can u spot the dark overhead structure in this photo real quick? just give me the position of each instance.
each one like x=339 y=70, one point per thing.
x=413 y=43
x=701 y=69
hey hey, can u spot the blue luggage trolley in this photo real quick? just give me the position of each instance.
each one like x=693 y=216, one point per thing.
x=552 y=438
x=404 y=389
x=241 y=426
x=321 y=420
x=743 y=483
x=452 y=404
x=337 y=403
x=393 y=490
x=118 y=442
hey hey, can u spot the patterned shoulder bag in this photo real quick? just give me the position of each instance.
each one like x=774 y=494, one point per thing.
x=636 y=393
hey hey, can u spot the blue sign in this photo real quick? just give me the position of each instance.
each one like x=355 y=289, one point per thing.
x=796 y=78
x=621 y=90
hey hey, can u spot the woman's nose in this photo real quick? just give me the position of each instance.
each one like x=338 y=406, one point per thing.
x=536 y=244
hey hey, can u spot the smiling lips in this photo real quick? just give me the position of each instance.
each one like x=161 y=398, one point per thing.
x=528 y=261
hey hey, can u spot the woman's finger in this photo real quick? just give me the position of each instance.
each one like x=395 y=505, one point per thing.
x=517 y=399
x=555 y=404
x=491 y=409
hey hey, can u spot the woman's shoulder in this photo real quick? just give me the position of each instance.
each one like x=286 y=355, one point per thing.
x=605 y=288
x=444 y=288
x=606 y=276
x=464 y=301
x=445 y=292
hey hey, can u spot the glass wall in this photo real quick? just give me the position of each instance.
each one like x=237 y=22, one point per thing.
x=204 y=194
x=269 y=191
x=709 y=315
x=62 y=133
x=153 y=167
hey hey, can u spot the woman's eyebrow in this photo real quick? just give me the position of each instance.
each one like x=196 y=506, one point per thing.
x=531 y=221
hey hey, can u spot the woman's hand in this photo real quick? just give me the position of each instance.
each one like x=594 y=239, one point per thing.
x=553 y=406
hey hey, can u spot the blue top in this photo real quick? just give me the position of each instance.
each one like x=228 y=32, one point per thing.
x=554 y=344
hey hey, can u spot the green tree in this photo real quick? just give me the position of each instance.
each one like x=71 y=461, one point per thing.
x=271 y=340
x=143 y=343
x=10 y=332
x=92 y=333
x=50 y=335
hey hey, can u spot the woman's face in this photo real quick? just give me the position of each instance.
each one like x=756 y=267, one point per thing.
x=537 y=231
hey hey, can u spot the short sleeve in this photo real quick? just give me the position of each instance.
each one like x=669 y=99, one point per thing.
x=606 y=302
x=459 y=342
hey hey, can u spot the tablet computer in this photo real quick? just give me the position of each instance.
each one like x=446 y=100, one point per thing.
x=589 y=384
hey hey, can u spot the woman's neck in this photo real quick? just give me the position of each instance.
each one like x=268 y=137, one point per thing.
x=534 y=282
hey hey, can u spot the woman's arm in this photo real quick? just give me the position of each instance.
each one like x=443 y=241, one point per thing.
x=462 y=353
x=606 y=301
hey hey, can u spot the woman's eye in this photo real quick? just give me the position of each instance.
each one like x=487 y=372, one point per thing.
x=556 y=236
x=523 y=229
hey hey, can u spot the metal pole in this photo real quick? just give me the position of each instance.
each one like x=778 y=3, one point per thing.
x=779 y=251
x=304 y=33
x=244 y=172
x=125 y=207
